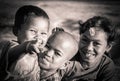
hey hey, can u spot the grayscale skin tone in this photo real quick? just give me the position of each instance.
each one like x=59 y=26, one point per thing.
x=35 y=30
x=60 y=48
x=92 y=47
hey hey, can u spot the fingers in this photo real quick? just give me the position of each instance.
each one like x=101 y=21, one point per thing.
x=33 y=47
x=36 y=49
x=34 y=41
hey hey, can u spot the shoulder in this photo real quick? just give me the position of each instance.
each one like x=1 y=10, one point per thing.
x=68 y=69
x=106 y=61
x=73 y=65
x=4 y=46
x=107 y=68
x=106 y=65
x=5 y=43
x=73 y=69
x=13 y=43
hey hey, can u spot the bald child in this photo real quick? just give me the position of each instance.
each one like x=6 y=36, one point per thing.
x=54 y=61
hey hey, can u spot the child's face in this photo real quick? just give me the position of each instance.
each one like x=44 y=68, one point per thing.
x=35 y=28
x=93 y=44
x=57 y=52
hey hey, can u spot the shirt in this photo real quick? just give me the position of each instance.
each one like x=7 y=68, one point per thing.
x=105 y=71
x=25 y=68
x=73 y=69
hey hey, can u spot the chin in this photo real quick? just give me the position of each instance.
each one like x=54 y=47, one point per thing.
x=91 y=61
x=44 y=66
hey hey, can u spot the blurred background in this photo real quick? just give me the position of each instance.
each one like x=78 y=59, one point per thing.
x=65 y=14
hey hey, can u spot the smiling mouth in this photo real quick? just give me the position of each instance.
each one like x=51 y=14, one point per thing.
x=46 y=59
x=90 y=54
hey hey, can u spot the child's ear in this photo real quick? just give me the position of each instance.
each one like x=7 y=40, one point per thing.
x=109 y=47
x=65 y=65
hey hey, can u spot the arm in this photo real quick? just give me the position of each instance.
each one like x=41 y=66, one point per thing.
x=17 y=51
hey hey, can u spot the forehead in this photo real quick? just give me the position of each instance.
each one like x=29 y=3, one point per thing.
x=61 y=44
x=95 y=33
x=59 y=41
x=38 y=22
x=92 y=31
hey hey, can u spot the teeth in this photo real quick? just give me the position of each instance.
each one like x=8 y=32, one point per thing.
x=89 y=54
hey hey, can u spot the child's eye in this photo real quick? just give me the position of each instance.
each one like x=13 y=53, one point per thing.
x=96 y=43
x=43 y=33
x=33 y=31
x=57 y=53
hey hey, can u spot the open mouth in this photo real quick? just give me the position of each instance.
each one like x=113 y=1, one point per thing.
x=88 y=55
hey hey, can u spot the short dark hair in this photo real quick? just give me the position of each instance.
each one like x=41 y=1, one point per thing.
x=103 y=23
x=23 y=13
x=57 y=29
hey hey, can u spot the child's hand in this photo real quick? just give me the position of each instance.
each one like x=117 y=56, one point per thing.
x=33 y=46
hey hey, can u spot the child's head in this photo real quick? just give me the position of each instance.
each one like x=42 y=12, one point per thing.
x=97 y=34
x=31 y=23
x=60 y=48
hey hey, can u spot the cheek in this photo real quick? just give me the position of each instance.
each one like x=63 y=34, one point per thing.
x=83 y=44
x=29 y=36
x=57 y=61
x=22 y=37
x=101 y=50
x=58 y=64
x=62 y=60
x=45 y=39
x=82 y=47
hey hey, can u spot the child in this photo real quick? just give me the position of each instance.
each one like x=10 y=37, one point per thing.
x=31 y=28
x=54 y=61
x=97 y=37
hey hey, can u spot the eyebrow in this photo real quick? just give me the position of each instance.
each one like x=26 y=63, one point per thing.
x=60 y=52
x=84 y=36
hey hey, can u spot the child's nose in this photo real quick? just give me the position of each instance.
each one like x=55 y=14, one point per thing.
x=50 y=53
x=90 y=47
x=38 y=35
x=39 y=44
x=39 y=39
